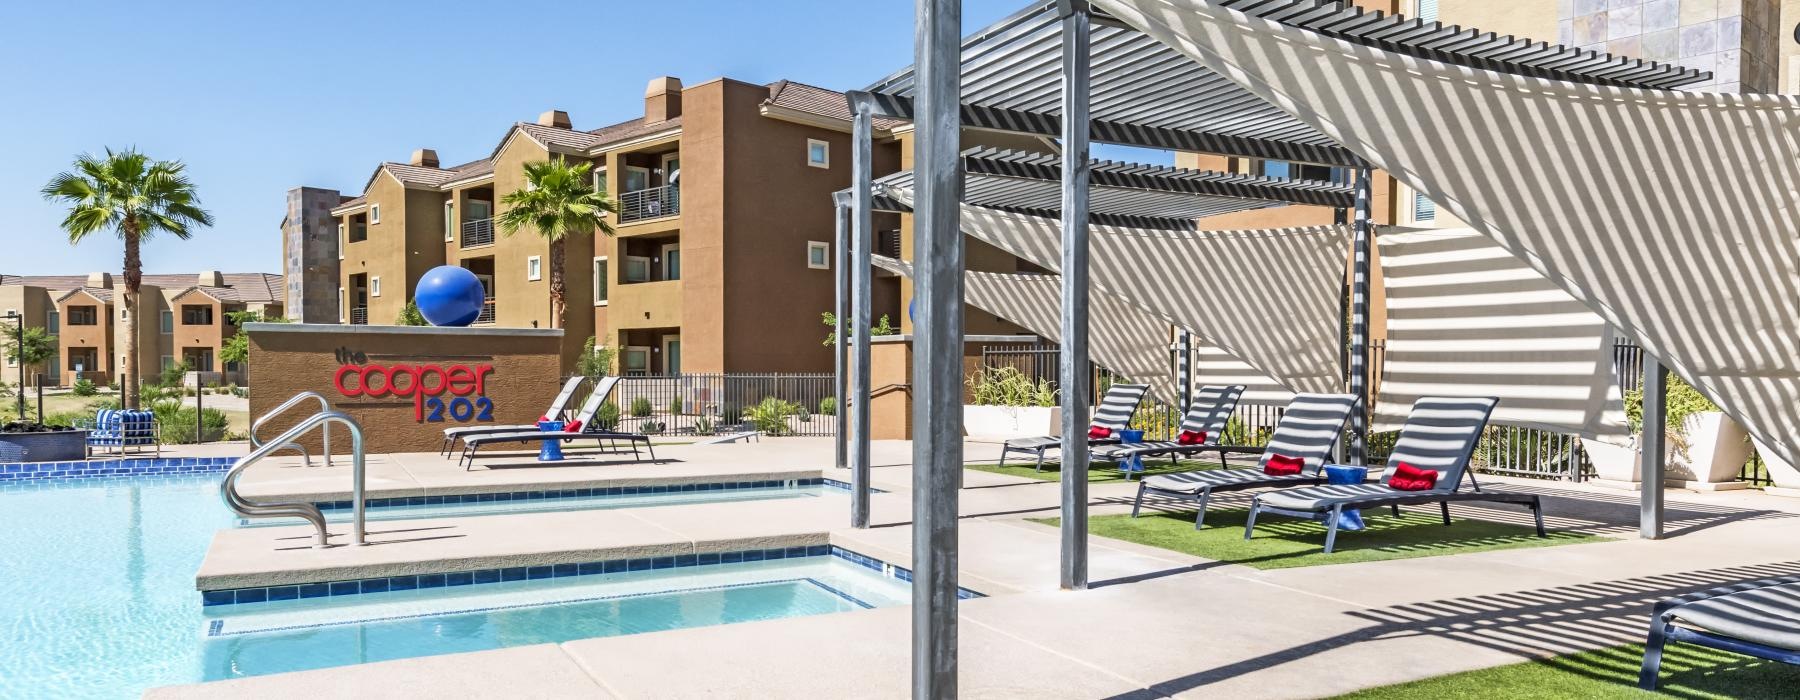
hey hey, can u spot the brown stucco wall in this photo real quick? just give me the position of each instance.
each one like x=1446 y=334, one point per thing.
x=890 y=384
x=291 y=358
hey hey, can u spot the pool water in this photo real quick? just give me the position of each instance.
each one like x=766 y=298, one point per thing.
x=97 y=599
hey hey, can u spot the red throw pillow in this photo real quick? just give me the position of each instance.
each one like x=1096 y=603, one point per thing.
x=1191 y=437
x=1283 y=465
x=574 y=426
x=1099 y=433
x=1407 y=477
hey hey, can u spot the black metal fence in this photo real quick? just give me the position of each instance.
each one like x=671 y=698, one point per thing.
x=702 y=404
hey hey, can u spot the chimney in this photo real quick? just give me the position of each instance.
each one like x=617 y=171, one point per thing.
x=662 y=99
x=556 y=118
x=425 y=158
x=214 y=278
x=99 y=280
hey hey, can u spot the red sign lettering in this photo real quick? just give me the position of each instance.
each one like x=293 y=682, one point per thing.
x=417 y=382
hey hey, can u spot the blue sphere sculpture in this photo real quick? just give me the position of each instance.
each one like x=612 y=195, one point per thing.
x=448 y=295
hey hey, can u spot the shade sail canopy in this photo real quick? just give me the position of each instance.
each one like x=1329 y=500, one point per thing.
x=1145 y=93
x=1672 y=215
x=1466 y=318
x=1122 y=337
x=1268 y=297
x=1213 y=366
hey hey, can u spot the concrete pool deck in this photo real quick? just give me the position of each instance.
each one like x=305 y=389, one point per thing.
x=1156 y=623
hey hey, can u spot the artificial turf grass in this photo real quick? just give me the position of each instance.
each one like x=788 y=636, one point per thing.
x=1281 y=543
x=1098 y=471
x=1687 y=672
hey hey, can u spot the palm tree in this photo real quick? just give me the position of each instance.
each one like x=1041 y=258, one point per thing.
x=559 y=200
x=137 y=197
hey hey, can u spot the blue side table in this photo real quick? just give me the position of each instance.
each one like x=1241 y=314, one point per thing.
x=1339 y=474
x=1135 y=463
x=550 y=450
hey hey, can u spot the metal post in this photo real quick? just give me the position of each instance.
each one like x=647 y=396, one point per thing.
x=938 y=328
x=1361 y=233
x=40 y=397
x=862 y=219
x=1185 y=373
x=1650 y=507
x=840 y=311
x=199 y=412
x=19 y=352
x=1074 y=356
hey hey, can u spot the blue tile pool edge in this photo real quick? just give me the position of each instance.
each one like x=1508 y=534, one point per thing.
x=112 y=468
x=259 y=594
x=593 y=492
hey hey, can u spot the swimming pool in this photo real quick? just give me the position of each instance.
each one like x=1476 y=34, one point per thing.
x=98 y=599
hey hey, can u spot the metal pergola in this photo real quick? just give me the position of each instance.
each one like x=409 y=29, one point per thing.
x=1059 y=68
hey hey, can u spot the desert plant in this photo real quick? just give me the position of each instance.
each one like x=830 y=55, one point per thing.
x=558 y=201
x=675 y=406
x=703 y=426
x=1682 y=401
x=85 y=387
x=881 y=327
x=175 y=422
x=828 y=406
x=650 y=427
x=607 y=417
x=1007 y=386
x=640 y=407
x=137 y=197
x=595 y=362
x=411 y=316
x=770 y=415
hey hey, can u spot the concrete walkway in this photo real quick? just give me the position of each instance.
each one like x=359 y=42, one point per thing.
x=1155 y=623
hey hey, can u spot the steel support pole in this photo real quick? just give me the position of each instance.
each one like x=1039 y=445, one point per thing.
x=840 y=311
x=1653 y=442
x=1362 y=233
x=938 y=349
x=1185 y=373
x=1073 y=369
x=862 y=218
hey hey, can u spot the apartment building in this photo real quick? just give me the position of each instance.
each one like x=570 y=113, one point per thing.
x=722 y=256
x=182 y=318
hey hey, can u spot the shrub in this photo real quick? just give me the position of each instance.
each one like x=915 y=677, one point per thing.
x=607 y=417
x=1007 y=386
x=85 y=387
x=828 y=406
x=650 y=427
x=595 y=362
x=675 y=407
x=640 y=407
x=702 y=426
x=176 y=423
x=770 y=416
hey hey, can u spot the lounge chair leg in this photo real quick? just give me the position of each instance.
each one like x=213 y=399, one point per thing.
x=652 y=449
x=470 y=455
x=1139 y=501
x=1222 y=464
x=1650 y=676
x=1396 y=508
x=1250 y=521
x=1537 y=513
x=1040 y=460
x=1200 y=517
x=1003 y=450
x=1331 y=527
x=1445 y=507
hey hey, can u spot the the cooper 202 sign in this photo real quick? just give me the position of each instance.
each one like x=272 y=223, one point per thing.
x=458 y=391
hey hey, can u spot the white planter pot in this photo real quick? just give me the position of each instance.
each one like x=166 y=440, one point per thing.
x=1717 y=448
x=1780 y=471
x=1612 y=462
x=1011 y=421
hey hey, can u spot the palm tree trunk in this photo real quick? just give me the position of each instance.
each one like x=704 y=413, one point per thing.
x=134 y=276
x=556 y=283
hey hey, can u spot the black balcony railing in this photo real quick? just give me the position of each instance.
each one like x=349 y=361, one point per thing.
x=477 y=232
x=487 y=311
x=359 y=316
x=649 y=203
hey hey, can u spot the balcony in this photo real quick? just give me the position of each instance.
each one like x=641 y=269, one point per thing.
x=651 y=203
x=359 y=316
x=487 y=312
x=478 y=232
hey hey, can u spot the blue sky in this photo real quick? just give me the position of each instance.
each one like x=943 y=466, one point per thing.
x=257 y=97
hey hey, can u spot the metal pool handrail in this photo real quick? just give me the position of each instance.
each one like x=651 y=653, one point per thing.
x=306 y=511
x=290 y=403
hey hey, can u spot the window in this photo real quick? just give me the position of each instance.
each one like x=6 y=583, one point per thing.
x=168 y=361
x=671 y=259
x=818 y=255
x=54 y=323
x=600 y=180
x=534 y=269
x=343 y=306
x=818 y=153
x=83 y=316
x=343 y=240
x=375 y=286
x=168 y=322
x=196 y=315
x=449 y=222
x=637 y=268
x=374 y=213
x=1423 y=208
x=637 y=361
x=600 y=280
x=1427 y=10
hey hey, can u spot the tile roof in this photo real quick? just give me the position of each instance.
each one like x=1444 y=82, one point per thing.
x=813 y=99
x=101 y=293
x=630 y=129
x=240 y=287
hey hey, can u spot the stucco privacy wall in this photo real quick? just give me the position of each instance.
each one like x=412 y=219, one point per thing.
x=1268 y=297
x=515 y=370
x=1466 y=318
x=1123 y=338
x=1671 y=214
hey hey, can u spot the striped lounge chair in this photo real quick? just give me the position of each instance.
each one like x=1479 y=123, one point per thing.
x=1114 y=414
x=558 y=407
x=1754 y=618
x=1211 y=409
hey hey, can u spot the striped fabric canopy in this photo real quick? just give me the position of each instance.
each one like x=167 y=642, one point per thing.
x=1268 y=297
x=1122 y=338
x=1675 y=216
x=1212 y=365
x=1466 y=318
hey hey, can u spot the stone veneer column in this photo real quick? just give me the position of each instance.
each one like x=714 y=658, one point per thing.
x=309 y=246
x=1737 y=40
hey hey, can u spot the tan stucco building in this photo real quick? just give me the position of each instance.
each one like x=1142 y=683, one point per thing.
x=722 y=256
x=182 y=318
